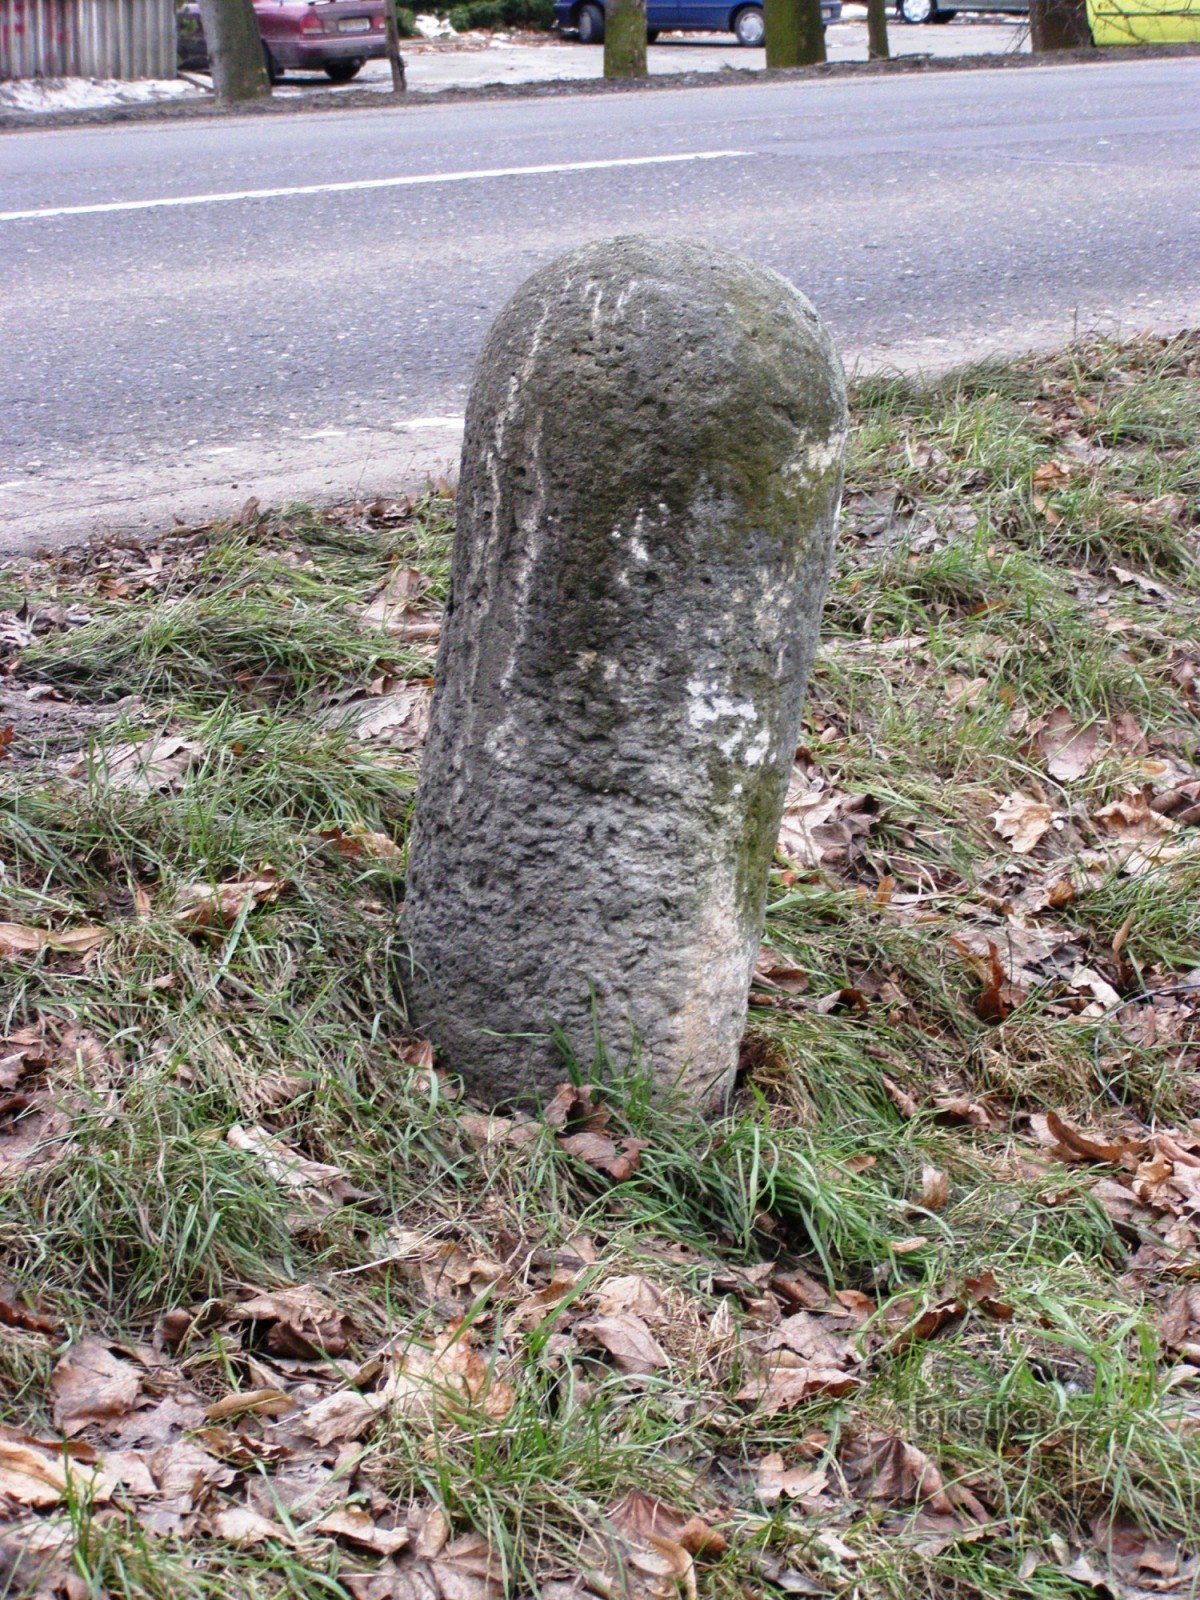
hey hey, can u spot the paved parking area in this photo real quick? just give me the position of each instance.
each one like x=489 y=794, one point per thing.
x=478 y=60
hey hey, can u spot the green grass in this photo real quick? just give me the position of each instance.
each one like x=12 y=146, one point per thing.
x=969 y=604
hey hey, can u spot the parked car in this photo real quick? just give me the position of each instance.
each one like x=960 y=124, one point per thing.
x=931 y=11
x=330 y=36
x=741 y=17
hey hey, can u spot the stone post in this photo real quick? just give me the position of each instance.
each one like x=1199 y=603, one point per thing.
x=650 y=479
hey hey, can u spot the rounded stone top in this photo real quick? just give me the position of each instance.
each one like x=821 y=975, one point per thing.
x=688 y=368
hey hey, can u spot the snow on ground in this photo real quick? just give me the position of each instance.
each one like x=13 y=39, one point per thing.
x=86 y=94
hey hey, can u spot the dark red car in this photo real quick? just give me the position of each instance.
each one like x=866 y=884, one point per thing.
x=330 y=36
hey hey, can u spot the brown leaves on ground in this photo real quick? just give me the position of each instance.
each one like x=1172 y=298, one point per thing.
x=19 y=939
x=397 y=608
x=92 y=1387
x=581 y=1123
x=319 y=1186
x=822 y=826
x=1022 y=820
x=883 y=1466
x=149 y=766
x=215 y=907
x=398 y=718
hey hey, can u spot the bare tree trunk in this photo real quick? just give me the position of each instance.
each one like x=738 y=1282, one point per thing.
x=235 y=50
x=395 y=59
x=1058 y=25
x=795 y=33
x=877 y=38
x=625 y=39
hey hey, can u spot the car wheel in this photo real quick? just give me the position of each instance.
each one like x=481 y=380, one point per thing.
x=272 y=66
x=748 y=25
x=652 y=35
x=343 y=71
x=591 y=25
x=917 y=10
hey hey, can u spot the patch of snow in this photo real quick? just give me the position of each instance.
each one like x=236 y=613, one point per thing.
x=86 y=94
x=431 y=27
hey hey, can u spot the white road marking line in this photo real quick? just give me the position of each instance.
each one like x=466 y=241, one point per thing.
x=481 y=174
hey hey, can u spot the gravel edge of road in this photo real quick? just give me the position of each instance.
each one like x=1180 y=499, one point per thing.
x=318 y=101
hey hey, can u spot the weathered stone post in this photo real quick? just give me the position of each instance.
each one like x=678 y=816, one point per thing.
x=650 y=478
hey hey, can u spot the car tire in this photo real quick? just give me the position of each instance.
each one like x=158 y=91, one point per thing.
x=916 y=11
x=749 y=27
x=652 y=35
x=343 y=71
x=591 y=25
x=272 y=66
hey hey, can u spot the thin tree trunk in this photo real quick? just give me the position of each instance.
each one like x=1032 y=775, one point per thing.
x=235 y=50
x=795 y=33
x=877 y=38
x=395 y=59
x=625 y=39
x=1058 y=25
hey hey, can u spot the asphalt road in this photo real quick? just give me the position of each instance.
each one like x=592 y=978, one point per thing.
x=166 y=352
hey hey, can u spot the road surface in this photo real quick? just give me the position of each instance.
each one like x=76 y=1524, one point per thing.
x=196 y=311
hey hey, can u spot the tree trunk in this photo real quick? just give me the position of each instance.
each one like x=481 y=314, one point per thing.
x=235 y=50
x=795 y=33
x=877 y=38
x=395 y=59
x=625 y=39
x=1058 y=25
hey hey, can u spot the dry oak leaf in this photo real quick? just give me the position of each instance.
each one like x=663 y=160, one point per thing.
x=1069 y=751
x=640 y=1517
x=17 y=939
x=598 y=1150
x=242 y=1525
x=628 y=1341
x=150 y=764
x=1069 y=1144
x=298 y=1322
x=822 y=826
x=785 y=1381
x=775 y=1482
x=400 y=719
x=316 y=1182
x=935 y=1188
x=630 y=1292
x=885 y=1467
x=218 y=906
x=91 y=1387
x=357 y=1526
x=360 y=843
x=1022 y=820
x=34 y=1473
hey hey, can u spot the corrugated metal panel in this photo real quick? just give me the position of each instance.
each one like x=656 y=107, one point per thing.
x=87 y=38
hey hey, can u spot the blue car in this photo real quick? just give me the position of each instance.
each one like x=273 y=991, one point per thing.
x=742 y=17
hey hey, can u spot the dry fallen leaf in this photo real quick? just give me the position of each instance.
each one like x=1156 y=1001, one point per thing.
x=627 y=1339
x=357 y=1526
x=297 y=1322
x=774 y=1481
x=1069 y=750
x=91 y=1387
x=150 y=765
x=16 y=939
x=34 y=1473
x=218 y=906
x=935 y=1188
x=316 y=1182
x=1022 y=820
x=359 y=843
x=786 y=1380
